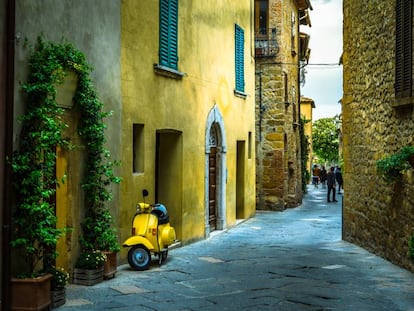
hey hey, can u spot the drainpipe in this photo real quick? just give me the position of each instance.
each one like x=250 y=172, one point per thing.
x=6 y=229
x=261 y=107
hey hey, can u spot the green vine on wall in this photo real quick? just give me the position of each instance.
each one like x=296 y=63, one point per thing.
x=34 y=163
x=304 y=158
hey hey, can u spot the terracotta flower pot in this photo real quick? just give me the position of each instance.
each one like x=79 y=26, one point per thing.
x=110 y=265
x=31 y=293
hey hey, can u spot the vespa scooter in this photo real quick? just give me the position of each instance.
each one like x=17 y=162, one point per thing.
x=151 y=234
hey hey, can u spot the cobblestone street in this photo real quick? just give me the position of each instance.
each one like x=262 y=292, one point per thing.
x=291 y=260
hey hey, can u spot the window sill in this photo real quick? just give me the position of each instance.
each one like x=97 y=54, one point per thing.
x=240 y=94
x=402 y=102
x=168 y=72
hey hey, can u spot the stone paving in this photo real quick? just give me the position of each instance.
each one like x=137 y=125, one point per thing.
x=291 y=260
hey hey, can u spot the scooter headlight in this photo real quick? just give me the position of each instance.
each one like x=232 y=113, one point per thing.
x=139 y=209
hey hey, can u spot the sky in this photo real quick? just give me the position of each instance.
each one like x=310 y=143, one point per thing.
x=323 y=83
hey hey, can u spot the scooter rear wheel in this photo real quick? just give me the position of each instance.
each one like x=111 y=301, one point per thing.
x=139 y=257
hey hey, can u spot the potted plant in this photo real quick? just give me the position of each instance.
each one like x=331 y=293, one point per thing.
x=393 y=166
x=58 y=286
x=89 y=268
x=35 y=233
x=100 y=234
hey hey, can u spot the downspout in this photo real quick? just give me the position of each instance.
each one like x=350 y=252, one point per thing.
x=6 y=229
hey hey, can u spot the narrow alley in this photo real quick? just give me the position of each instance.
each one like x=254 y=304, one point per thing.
x=291 y=260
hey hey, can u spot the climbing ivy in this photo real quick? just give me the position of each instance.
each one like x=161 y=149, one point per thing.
x=34 y=163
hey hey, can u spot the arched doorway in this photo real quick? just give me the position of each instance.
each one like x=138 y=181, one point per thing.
x=215 y=172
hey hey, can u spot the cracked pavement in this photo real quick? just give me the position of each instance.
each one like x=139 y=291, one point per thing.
x=290 y=260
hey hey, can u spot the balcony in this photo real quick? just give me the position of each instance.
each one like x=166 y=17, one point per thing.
x=265 y=42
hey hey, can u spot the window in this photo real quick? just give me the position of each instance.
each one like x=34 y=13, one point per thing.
x=261 y=17
x=239 y=58
x=169 y=33
x=293 y=34
x=403 y=49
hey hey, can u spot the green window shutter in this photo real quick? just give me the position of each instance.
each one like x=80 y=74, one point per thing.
x=403 y=49
x=169 y=33
x=239 y=58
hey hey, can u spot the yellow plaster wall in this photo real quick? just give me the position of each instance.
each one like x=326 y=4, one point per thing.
x=206 y=56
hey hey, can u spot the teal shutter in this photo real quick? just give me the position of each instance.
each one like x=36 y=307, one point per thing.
x=239 y=58
x=169 y=33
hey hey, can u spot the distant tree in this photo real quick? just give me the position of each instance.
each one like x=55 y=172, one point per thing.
x=325 y=139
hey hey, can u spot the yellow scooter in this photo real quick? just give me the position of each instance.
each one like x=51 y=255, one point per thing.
x=151 y=234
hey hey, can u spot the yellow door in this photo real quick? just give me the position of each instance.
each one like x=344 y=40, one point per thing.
x=62 y=206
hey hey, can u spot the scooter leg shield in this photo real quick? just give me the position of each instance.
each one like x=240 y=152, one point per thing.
x=135 y=240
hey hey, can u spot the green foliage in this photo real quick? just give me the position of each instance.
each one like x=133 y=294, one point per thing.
x=304 y=141
x=411 y=247
x=393 y=166
x=90 y=260
x=325 y=139
x=35 y=232
x=99 y=232
x=59 y=277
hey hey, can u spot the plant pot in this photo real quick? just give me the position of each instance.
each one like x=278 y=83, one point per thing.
x=58 y=297
x=110 y=265
x=87 y=276
x=31 y=293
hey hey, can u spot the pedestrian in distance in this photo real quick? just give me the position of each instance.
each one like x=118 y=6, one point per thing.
x=339 y=179
x=315 y=175
x=330 y=181
x=323 y=176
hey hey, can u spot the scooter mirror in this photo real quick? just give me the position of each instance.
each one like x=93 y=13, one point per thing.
x=145 y=193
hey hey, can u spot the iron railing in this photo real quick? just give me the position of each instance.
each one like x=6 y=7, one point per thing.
x=265 y=42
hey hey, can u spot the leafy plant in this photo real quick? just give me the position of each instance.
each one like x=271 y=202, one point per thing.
x=99 y=233
x=90 y=260
x=59 y=277
x=304 y=140
x=325 y=139
x=35 y=233
x=393 y=166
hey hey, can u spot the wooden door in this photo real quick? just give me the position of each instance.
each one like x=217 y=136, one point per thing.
x=212 y=194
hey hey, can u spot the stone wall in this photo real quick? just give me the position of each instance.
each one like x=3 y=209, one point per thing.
x=377 y=216
x=277 y=115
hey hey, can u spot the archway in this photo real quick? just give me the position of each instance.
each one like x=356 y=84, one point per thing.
x=215 y=172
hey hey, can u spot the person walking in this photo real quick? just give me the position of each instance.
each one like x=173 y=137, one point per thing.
x=315 y=175
x=330 y=181
x=323 y=176
x=339 y=179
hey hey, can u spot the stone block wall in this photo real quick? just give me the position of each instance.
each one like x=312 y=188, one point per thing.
x=278 y=176
x=377 y=216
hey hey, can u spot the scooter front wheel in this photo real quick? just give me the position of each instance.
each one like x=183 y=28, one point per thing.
x=139 y=257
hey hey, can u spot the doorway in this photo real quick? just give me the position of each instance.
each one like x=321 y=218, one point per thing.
x=169 y=175
x=215 y=172
x=240 y=179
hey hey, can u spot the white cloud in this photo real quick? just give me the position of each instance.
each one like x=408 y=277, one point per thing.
x=324 y=82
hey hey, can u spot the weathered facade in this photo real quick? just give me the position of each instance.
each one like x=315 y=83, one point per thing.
x=306 y=110
x=279 y=48
x=182 y=99
x=188 y=121
x=377 y=112
x=92 y=27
